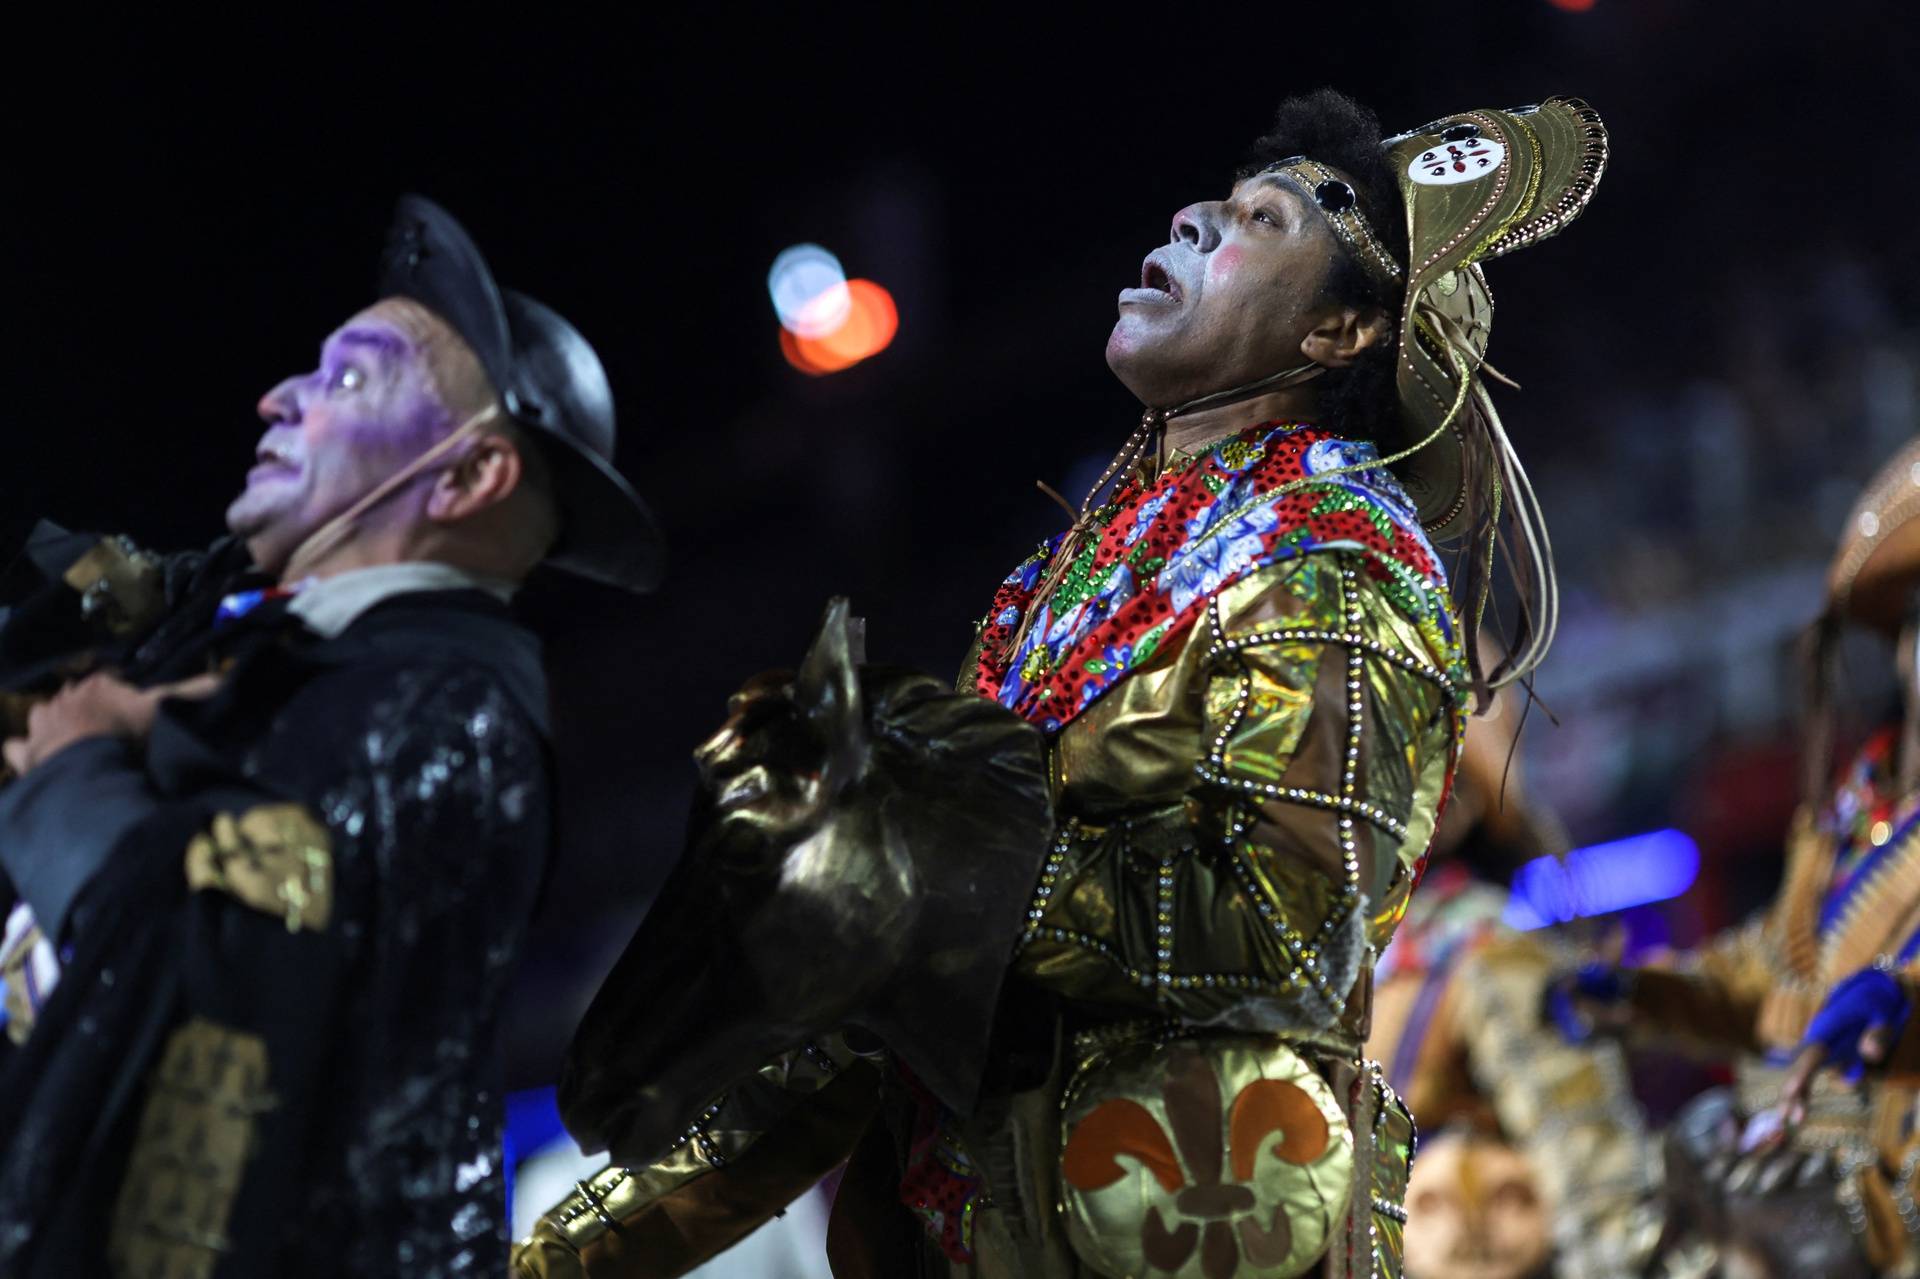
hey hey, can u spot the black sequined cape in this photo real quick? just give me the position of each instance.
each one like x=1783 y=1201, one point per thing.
x=417 y=740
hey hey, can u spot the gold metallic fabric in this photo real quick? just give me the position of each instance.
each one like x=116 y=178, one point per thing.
x=119 y=585
x=1476 y=185
x=1237 y=826
x=773 y=1135
x=1348 y=223
x=170 y=1219
x=276 y=858
x=862 y=855
x=1203 y=1159
x=1243 y=814
x=1394 y=1140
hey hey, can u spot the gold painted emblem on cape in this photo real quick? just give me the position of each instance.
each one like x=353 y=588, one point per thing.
x=190 y=1154
x=275 y=858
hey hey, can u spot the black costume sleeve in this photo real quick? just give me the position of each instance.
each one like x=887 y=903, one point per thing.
x=265 y=1056
x=60 y=823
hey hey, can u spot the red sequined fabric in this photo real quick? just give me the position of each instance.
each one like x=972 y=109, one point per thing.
x=1157 y=551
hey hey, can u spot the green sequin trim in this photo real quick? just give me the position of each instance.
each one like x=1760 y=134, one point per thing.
x=1143 y=563
x=1339 y=500
x=1144 y=647
x=1077 y=584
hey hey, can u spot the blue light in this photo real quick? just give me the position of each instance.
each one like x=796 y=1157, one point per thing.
x=1603 y=878
x=533 y=1124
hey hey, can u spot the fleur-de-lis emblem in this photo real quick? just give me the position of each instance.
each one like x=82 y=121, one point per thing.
x=1217 y=1218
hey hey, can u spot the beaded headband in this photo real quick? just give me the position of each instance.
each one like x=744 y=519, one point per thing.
x=1336 y=198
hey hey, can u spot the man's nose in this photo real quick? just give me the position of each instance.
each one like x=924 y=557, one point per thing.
x=282 y=403
x=1198 y=226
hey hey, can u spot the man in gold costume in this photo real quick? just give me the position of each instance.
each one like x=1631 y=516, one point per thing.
x=1796 y=1174
x=1236 y=687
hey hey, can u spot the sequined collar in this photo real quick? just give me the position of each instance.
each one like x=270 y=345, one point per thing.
x=1162 y=547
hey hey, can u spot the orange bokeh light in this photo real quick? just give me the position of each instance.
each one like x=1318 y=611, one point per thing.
x=805 y=354
x=1572 y=6
x=872 y=320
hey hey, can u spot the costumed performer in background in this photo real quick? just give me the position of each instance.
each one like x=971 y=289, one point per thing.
x=1534 y=1157
x=1789 y=1174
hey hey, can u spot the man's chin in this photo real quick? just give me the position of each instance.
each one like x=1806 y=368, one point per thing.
x=256 y=529
x=1123 y=348
x=244 y=522
x=1138 y=358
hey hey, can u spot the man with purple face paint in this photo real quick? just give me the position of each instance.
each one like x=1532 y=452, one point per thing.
x=285 y=822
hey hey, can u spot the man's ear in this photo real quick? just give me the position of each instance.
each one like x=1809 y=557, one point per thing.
x=488 y=474
x=1342 y=335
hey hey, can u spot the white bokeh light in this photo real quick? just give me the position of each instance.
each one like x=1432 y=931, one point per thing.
x=809 y=291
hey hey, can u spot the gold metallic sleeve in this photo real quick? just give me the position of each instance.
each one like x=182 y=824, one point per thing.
x=752 y=1151
x=1324 y=706
x=1298 y=740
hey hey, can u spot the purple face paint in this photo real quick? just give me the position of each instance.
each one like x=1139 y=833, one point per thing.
x=335 y=433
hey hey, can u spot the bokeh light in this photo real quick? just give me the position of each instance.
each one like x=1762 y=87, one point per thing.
x=809 y=290
x=1572 y=6
x=869 y=326
x=1602 y=878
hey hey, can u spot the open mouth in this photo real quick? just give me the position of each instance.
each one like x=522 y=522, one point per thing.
x=1154 y=276
x=268 y=460
x=1157 y=285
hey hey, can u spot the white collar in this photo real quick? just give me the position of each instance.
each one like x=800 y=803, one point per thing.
x=329 y=605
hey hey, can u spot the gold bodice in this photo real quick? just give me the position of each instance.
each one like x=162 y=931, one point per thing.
x=1241 y=817
x=1239 y=822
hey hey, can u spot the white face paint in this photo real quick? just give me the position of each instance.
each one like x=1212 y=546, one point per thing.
x=1447 y=164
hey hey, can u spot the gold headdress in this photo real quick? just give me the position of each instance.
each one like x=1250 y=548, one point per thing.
x=1478 y=185
x=1475 y=186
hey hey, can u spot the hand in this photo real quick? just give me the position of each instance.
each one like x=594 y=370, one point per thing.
x=1855 y=1028
x=101 y=705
